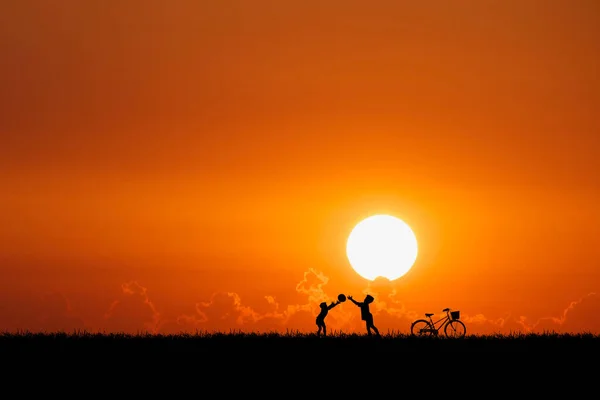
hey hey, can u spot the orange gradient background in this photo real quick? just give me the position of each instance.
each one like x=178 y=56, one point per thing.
x=198 y=165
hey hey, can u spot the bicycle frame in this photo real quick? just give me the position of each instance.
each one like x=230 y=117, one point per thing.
x=442 y=321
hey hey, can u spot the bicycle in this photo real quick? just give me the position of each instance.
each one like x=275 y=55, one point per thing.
x=451 y=323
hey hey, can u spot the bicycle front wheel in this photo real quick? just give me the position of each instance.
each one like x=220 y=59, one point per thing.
x=422 y=327
x=455 y=329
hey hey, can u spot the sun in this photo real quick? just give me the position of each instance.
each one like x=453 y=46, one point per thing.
x=382 y=246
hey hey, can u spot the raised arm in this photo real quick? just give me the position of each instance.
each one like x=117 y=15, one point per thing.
x=333 y=304
x=354 y=301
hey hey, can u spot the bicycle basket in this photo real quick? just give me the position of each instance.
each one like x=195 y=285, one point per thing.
x=455 y=314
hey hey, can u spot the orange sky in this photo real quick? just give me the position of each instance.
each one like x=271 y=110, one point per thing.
x=191 y=164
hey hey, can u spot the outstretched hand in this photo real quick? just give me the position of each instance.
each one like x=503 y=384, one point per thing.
x=350 y=297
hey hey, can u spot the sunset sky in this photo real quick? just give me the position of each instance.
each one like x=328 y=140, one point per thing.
x=191 y=165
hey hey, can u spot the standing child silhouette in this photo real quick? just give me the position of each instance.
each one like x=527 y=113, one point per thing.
x=321 y=317
x=365 y=313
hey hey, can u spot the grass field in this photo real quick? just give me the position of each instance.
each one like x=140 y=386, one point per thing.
x=248 y=362
x=288 y=343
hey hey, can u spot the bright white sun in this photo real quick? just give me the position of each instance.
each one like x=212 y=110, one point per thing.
x=382 y=246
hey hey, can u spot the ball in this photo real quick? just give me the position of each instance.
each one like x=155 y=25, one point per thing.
x=342 y=298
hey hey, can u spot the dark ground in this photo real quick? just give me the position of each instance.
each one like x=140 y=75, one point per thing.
x=336 y=366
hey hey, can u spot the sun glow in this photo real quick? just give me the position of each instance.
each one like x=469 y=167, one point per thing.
x=382 y=246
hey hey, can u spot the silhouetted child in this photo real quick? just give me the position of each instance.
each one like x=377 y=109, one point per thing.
x=321 y=317
x=365 y=313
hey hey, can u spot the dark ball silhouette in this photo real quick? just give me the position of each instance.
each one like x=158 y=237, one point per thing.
x=341 y=298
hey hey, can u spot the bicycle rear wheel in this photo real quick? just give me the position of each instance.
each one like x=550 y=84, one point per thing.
x=422 y=327
x=455 y=329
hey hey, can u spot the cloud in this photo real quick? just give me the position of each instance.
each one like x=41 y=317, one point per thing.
x=49 y=312
x=479 y=324
x=57 y=314
x=391 y=314
x=578 y=316
x=226 y=311
x=133 y=312
x=312 y=285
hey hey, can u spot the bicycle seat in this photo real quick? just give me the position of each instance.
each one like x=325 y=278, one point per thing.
x=428 y=314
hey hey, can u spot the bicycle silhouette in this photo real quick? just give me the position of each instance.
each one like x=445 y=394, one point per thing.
x=452 y=326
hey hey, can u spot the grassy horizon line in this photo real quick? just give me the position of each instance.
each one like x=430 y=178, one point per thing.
x=238 y=334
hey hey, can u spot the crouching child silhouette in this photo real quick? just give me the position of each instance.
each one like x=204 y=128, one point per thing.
x=321 y=317
x=365 y=313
